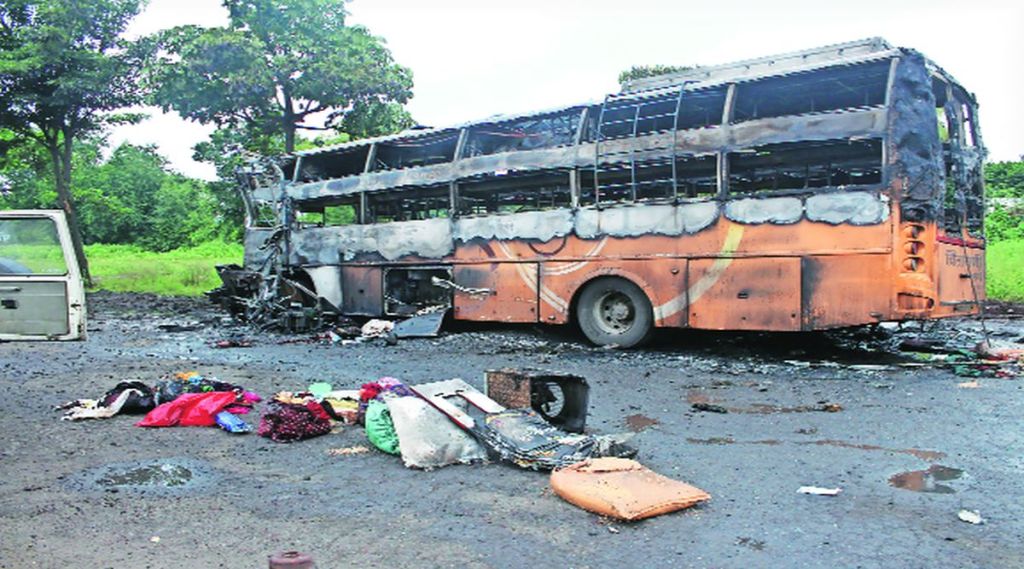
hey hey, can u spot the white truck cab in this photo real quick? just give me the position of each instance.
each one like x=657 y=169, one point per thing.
x=41 y=292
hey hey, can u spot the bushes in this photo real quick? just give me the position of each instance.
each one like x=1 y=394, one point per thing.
x=1005 y=274
x=182 y=272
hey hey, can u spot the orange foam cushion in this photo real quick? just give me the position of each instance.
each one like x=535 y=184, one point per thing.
x=623 y=489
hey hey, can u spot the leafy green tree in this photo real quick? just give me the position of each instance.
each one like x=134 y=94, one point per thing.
x=645 y=71
x=276 y=63
x=1004 y=186
x=64 y=72
x=1004 y=179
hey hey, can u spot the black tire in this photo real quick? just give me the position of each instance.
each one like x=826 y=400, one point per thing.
x=614 y=311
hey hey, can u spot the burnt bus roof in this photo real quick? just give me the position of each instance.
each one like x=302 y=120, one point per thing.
x=849 y=53
x=575 y=137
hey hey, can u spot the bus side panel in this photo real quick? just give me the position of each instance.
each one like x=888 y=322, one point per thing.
x=844 y=290
x=512 y=295
x=745 y=294
x=362 y=291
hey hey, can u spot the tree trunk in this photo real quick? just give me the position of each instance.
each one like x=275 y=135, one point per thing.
x=288 y=120
x=289 y=137
x=60 y=154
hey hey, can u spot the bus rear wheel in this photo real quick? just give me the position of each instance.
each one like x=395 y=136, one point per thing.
x=614 y=311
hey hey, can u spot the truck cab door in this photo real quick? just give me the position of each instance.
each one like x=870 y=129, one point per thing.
x=41 y=291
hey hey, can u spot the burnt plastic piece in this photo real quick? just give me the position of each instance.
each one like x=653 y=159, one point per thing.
x=561 y=399
x=423 y=326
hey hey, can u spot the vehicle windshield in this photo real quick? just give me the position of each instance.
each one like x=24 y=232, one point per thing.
x=30 y=246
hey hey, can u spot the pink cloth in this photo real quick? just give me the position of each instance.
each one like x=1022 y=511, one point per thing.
x=189 y=410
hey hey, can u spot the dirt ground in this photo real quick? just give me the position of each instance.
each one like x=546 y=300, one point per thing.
x=908 y=446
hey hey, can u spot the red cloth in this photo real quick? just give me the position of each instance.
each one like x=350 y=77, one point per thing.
x=369 y=390
x=189 y=410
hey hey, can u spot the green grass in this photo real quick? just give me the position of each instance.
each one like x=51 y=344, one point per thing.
x=182 y=272
x=1005 y=270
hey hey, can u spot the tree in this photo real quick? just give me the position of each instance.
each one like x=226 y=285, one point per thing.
x=275 y=64
x=64 y=71
x=1004 y=179
x=1004 y=187
x=645 y=71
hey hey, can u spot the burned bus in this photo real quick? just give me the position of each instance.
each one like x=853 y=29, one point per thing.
x=827 y=188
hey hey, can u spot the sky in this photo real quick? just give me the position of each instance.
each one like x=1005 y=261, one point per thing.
x=472 y=58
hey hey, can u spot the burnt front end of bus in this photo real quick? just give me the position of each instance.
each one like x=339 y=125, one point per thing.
x=266 y=290
x=938 y=157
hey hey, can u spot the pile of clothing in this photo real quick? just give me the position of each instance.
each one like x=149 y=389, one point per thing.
x=185 y=399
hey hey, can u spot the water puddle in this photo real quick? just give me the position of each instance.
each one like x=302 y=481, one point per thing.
x=927 y=480
x=638 y=422
x=163 y=475
x=158 y=475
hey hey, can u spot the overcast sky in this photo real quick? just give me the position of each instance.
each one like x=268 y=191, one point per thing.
x=472 y=58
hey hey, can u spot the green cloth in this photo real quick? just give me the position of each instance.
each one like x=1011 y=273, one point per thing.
x=379 y=428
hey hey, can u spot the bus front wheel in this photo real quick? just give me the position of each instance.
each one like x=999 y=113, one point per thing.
x=614 y=311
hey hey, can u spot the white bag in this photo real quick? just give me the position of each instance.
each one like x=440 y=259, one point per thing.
x=428 y=439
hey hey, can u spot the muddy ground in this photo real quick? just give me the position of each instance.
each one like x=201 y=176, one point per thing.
x=909 y=448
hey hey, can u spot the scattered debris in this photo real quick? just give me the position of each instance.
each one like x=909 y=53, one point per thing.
x=623 y=489
x=818 y=491
x=986 y=350
x=971 y=517
x=613 y=529
x=155 y=539
x=232 y=343
x=709 y=408
x=828 y=407
x=348 y=451
x=973 y=384
x=755 y=544
x=178 y=327
x=377 y=328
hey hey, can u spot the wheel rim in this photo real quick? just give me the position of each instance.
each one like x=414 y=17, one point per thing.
x=614 y=312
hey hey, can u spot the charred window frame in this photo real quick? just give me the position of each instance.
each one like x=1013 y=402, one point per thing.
x=333 y=212
x=590 y=120
x=835 y=88
x=528 y=133
x=514 y=192
x=333 y=164
x=417 y=151
x=638 y=115
x=954 y=200
x=264 y=214
x=408 y=204
x=701 y=109
x=696 y=176
x=805 y=165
